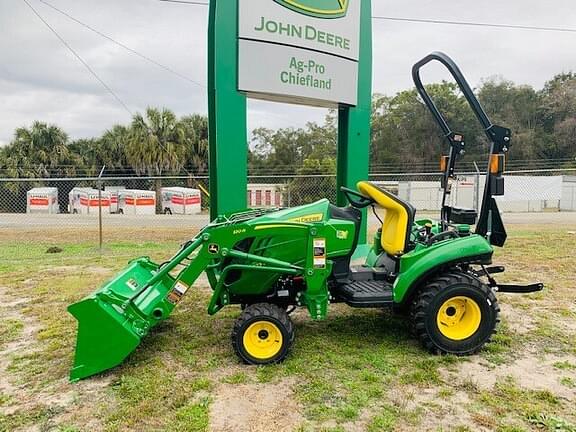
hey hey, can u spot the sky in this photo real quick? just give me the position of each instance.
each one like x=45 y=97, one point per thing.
x=41 y=80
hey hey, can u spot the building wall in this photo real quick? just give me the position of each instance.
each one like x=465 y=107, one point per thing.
x=568 y=200
x=265 y=196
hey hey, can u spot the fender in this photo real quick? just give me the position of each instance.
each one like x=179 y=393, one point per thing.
x=425 y=260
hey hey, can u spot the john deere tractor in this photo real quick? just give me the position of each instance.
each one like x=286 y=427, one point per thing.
x=270 y=262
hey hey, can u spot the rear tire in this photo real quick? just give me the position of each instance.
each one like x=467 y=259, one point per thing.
x=263 y=334
x=455 y=313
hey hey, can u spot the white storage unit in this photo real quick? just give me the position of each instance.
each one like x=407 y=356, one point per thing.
x=180 y=200
x=114 y=190
x=42 y=200
x=265 y=195
x=136 y=202
x=86 y=201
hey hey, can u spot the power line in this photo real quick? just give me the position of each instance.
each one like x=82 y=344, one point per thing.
x=427 y=21
x=120 y=44
x=475 y=24
x=86 y=65
x=80 y=59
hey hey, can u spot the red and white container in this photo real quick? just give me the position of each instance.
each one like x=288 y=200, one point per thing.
x=86 y=201
x=114 y=190
x=136 y=202
x=42 y=200
x=180 y=200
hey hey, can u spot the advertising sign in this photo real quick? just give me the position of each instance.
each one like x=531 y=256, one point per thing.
x=299 y=51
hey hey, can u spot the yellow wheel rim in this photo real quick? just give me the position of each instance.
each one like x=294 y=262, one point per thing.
x=263 y=340
x=459 y=318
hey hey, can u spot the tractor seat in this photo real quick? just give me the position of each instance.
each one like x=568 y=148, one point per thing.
x=398 y=220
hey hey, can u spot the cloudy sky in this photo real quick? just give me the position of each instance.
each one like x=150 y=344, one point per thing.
x=41 y=80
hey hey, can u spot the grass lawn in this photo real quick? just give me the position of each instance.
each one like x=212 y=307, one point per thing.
x=356 y=371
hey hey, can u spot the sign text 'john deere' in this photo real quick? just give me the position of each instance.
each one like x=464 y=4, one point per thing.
x=299 y=51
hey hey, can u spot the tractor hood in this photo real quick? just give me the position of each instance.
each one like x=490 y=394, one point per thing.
x=316 y=212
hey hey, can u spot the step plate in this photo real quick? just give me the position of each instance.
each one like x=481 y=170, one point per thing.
x=365 y=293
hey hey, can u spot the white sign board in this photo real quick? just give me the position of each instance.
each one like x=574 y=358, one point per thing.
x=288 y=55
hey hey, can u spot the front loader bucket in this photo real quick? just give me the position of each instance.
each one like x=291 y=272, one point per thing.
x=113 y=320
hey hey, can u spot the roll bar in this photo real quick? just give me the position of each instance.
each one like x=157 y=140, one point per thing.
x=489 y=223
x=462 y=83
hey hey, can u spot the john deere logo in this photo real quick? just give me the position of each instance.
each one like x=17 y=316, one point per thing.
x=317 y=8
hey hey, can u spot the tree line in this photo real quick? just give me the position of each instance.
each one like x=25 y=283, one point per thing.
x=404 y=138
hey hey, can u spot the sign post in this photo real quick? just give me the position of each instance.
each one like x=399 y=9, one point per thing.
x=307 y=52
x=227 y=131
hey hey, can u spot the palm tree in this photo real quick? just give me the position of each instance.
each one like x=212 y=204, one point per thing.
x=39 y=151
x=156 y=145
x=196 y=139
x=112 y=148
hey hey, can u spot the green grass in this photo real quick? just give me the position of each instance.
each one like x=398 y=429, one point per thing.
x=357 y=367
x=10 y=329
x=565 y=365
x=236 y=378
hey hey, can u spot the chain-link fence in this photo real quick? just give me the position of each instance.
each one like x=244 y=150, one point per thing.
x=127 y=213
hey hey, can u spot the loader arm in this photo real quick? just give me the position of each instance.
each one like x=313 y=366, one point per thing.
x=113 y=320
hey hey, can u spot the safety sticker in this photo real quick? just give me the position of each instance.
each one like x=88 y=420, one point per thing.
x=320 y=253
x=132 y=284
x=177 y=292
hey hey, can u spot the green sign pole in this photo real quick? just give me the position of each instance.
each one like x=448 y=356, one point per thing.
x=228 y=154
x=354 y=122
x=227 y=105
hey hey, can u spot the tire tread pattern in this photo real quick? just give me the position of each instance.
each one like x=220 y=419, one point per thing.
x=253 y=313
x=434 y=287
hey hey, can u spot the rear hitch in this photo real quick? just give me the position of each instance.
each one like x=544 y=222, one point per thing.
x=519 y=289
x=507 y=288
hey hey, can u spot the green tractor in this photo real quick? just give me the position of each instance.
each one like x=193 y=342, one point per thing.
x=272 y=261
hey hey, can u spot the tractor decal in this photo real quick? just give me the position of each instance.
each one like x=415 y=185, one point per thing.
x=177 y=292
x=318 y=217
x=317 y=8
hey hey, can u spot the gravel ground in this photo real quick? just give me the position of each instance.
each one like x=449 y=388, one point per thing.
x=27 y=221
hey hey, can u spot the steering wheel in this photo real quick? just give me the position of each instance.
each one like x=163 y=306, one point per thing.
x=356 y=199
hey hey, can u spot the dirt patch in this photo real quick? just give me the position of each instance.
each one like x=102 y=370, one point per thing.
x=439 y=412
x=530 y=372
x=255 y=408
x=10 y=308
x=64 y=400
x=517 y=319
x=360 y=425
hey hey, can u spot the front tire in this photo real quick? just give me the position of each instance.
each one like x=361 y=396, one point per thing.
x=455 y=313
x=263 y=334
